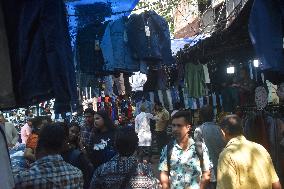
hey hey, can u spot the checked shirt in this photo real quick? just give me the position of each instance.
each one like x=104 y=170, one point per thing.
x=50 y=172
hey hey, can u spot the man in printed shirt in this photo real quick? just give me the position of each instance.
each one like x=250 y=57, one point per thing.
x=185 y=171
x=244 y=164
x=50 y=171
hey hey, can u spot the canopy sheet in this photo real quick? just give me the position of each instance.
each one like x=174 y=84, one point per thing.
x=118 y=8
x=178 y=44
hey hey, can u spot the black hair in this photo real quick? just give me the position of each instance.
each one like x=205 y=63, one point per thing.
x=126 y=141
x=107 y=121
x=75 y=124
x=38 y=122
x=207 y=113
x=158 y=103
x=177 y=106
x=185 y=114
x=232 y=124
x=51 y=138
x=89 y=111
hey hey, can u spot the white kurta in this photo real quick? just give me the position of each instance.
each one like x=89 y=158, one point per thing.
x=142 y=128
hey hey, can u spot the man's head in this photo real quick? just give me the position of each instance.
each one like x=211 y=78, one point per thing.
x=39 y=122
x=2 y=119
x=90 y=105
x=89 y=116
x=50 y=140
x=158 y=106
x=80 y=110
x=126 y=141
x=206 y=114
x=231 y=127
x=142 y=108
x=181 y=125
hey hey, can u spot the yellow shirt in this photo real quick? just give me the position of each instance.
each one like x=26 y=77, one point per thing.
x=245 y=165
x=162 y=120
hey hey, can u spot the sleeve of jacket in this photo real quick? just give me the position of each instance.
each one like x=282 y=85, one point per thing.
x=107 y=49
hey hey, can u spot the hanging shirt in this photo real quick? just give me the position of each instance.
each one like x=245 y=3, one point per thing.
x=142 y=128
x=194 y=80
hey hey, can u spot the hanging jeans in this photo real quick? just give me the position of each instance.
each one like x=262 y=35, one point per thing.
x=152 y=97
x=170 y=100
x=7 y=98
x=161 y=97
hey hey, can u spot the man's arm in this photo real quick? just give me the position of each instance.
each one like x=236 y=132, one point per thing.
x=29 y=154
x=164 y=178
x=276 y=185
x=205 y=179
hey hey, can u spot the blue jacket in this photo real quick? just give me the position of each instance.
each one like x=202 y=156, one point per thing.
x=42 y=64
x=157 y=46
x=115 y=48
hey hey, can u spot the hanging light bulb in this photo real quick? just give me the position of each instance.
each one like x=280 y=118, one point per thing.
x=256 y=63
x=230 y=69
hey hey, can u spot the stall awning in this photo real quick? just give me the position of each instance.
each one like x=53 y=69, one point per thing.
x=117 y=9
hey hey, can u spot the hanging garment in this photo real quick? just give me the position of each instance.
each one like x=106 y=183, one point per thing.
x=194 y=80
x=115 y=48
x=89 y=53
x=142 y=128
x=206 y=74
x=108 y=85
x=7 y=97
x=150 y=32
x=152 y=81
x=170 y=100
x=42 y=64
x=119 y=83
x=230 y=98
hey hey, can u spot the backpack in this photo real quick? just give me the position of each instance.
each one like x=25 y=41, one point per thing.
x=198 y=149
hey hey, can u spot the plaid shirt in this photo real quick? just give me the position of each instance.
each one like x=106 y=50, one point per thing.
x=50 y=172
x=87 y=136
x=111 y=175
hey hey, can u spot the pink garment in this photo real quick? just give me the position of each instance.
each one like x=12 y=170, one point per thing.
x=26 y=130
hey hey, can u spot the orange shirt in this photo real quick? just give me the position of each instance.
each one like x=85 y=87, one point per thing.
x=32 y=141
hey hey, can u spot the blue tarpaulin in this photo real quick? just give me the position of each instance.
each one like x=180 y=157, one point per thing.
x=178 y=44
x=118 y=8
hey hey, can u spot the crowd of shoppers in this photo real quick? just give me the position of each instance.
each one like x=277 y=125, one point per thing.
x=95 y=154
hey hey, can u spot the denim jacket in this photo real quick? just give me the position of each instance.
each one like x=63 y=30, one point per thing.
x=157 y=46
x=115 y=48
x=89 y=53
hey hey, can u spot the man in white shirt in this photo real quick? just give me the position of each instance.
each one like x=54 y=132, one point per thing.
x=26 y=130
x=10 y=132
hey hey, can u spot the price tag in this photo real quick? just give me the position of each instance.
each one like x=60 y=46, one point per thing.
x=147 y=31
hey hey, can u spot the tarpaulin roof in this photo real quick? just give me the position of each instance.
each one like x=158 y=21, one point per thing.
x=178 y=44
x=91 y=10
